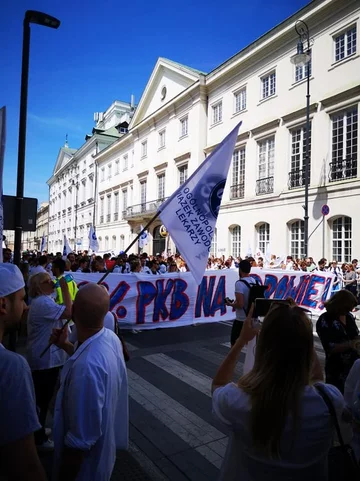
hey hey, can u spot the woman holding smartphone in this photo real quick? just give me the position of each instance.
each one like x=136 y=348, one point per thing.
x=280 y=425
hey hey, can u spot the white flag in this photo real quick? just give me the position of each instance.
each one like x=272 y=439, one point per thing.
x=93 y=242
x=2 y=154
x=249 y=251
x=67 y=249
x=143 y=239
x=43 y=242
x=190 y=213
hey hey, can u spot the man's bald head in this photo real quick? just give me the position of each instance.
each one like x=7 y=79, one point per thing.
x=90 y=306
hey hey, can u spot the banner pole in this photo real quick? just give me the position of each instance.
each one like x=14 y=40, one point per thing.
x=132 y=243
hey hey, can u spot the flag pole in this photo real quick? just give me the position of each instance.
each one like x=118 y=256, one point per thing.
x=132 y=243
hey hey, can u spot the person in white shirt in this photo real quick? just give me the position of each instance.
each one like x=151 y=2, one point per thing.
x=18 y=418
x=280 y=426
x=351 y=394
x=289 y=264
x=144 y=267
x=45 y=315
x=91 y=413
x=41 y=267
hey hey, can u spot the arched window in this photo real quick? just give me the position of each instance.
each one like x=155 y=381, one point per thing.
x=113 y=242
x=263 y=234
x=100 y=243
x=297 y=238
x=106 y=243
x=122 y=242
x=235 y=233
x=213 y=249
x=341 y=239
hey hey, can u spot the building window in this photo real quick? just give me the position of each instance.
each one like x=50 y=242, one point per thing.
x=301 y=71
x=100 y=243
x=144 y=148
x=117 y=169
x=183 y=174
x=101 y=210
x=122 y=242
x=345 y=44
x=298 y=157
x=268 y=85
x=113 y=242
x=263 y=232
x=341 y=239
x=116 y=206
x=106 y=243
x=266 y=153
x=124 y=200
x=162 y=139
x=344 y=145
x=102 y=177
x=240 y=100
x=297 y=238
x=235 y=241
x=238 y=174
x=143 y=185
x=108 y=212
x=213 y=248
x=109 y=170
x=184 y=122
x=125 y=162
x=161 y=186
x=217 y=113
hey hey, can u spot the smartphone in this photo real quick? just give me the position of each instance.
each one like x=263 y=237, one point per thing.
x=228 y=299
x=262 y=306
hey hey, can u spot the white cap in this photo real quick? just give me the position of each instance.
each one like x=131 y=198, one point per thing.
x=162 y=268
x=11 y=279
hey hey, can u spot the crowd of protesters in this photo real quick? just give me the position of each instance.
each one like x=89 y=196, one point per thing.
x=280 y=425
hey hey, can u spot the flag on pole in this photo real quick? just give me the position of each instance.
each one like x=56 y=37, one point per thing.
x=2 y=154
x=190 y=214
x=249 y=251
x=67 y=249
x=93 y=242
x=43 y=242
x=144 y=238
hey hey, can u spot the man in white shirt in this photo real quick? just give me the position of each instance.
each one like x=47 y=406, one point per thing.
x=242 y=290
x=91 y=414
x=18 y=417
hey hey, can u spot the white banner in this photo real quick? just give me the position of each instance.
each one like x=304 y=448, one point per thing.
x=147 y=302
x=2 y=154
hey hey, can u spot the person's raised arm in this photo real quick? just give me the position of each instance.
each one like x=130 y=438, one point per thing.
x=226 y=370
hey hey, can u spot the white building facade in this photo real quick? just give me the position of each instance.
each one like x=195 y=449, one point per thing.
x=72 y=187
x=183 y=114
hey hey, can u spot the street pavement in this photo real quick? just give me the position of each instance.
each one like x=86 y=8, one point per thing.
x=173 y=434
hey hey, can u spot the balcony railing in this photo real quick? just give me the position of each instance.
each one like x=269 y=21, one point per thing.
x=108 y=217
x=265 y=186
x=237 y=191
x=343 y=169
x=142 y=210
x=297 y=178
x=101 y=219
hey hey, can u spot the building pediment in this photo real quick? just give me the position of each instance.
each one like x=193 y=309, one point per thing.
x=167 y=80
x=64 y=156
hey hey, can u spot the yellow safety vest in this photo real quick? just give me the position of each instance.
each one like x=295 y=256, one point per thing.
x=71 y=285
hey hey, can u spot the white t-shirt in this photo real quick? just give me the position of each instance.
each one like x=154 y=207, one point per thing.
x=18 y=417
x=44 y=316
x=302 y=458
x=91 y=412
x=145 y=270
x=242 y=288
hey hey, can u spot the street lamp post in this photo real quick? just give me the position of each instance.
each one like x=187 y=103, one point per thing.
x=39 y=18
x=303 y=58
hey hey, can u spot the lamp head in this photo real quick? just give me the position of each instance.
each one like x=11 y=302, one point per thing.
x=40 y=18
x=300 y=58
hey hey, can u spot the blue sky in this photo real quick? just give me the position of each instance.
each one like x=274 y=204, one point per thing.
x=105 y=51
